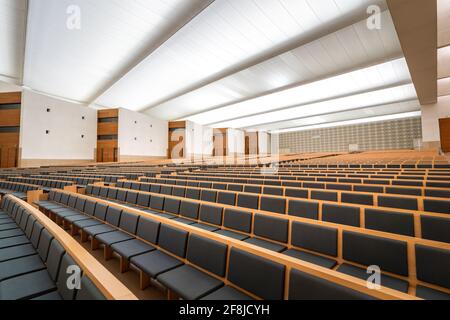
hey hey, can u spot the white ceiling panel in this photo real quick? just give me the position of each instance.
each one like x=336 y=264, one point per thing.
x=363 y=100
x=77 y=63
x=13 y=17
x=227 y=34
x=386 y=74
x=331 y=54
x=391 y=108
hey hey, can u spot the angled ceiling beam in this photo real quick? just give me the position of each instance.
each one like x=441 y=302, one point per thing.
x=301 y=83
x=299 y=41
x=416 y=25
x=27 y=12
x=346 y=95
x=182 y=19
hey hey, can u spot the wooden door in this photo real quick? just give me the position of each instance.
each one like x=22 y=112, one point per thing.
x=247 y=145
x=444 y=128
x=176 y=143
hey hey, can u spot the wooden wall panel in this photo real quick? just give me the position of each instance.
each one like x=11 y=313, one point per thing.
x=9 y=139
x=10 y=97
x=107 y=128
x=108 y=113
x=9 y=117
x=177 y=125
x=444 y=128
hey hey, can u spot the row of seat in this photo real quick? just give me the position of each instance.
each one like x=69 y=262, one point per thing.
x=370 y=166
x=17 y=189
x=269 y=232
x=46 y=184
x=283 y=180
x=109 y=178
x=33 y=264
x=158 y=250
x=76 y=180
x=431 y=226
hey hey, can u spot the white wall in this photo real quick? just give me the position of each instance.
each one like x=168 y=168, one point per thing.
x=199 y=140
x=263 y=142
x=236 y=141
x=430 y=118
x=142 y=135
x=65 y=125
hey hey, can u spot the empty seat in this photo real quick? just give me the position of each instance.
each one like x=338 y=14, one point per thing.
x=206 y=254
x=435 y=228
x=433 y=265
x=358 y=198
x=324 y=195
x=398 y=202
x=341 y=214
x=389 y=221
x=277 y=205
x=434 y=205
x=227 y=198
x=304 y=209
x=390 y=255
x=270 y=228
x=248 y=201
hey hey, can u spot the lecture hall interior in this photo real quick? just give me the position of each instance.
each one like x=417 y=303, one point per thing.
x=222 y=150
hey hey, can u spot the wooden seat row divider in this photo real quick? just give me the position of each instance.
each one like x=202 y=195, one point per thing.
x=287 y=261
x=109 y=285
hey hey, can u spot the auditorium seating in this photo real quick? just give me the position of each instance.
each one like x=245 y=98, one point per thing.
x=119 y=228
x=17 y=189
x=35 y=260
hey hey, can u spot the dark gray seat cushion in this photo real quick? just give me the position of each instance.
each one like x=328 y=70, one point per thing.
x=386 y=281
x=131 y=248
x=88 y=291
x=17 y=267
x=87 y=223
x=206 y=227
x=271 y=228
x=98 y=229
x=227 y=293
x=14 y=241
x=77 y=217
x=16 y=252
x=311 y=258
x=398 y=202
x=431 y=294
x=238 y=220
x=180 y=281
x=434 y=205
x=26 y=286
x=272 y=204
x=155 y=262
x=11 y=233
x=110 y=238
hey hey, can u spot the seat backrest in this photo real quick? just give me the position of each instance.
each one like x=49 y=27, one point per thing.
x=208 y=195
x=433 y=265
x=89 y=207
x=148 y=229
x=271 y=228
x=80 y=204
x=277 y=205
x=189 y=209
x=389 y=221
x=157 y=202
x=143 y=199
x=113 y=216
x=316 y=238
x=167 y=190
x=100 y=211
x=172 y=205
x=179 y=192
x=173 y=240
x=155 y=188
x=112 y=193
x=341 y=214
x=237 y=220
x=44 y=244
x=64 y=273
x=324 y=195
x=122 y=195
x=303 y=209
x=435 y=228
x=72 y=201
x=257 y=275
x=357 y=198
x=128 y=222
x=390 y=255
x=296 y=193
x=55 y=254
x=398 y=202
x=207 y=254
x=193 y=193
x=248 y=201
x=211 y=214
x=252 y=189
x=227 y=198
x=435 y=205
x=29 y=229
x=88 y=291
x=103 y=192
x=36 y=234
